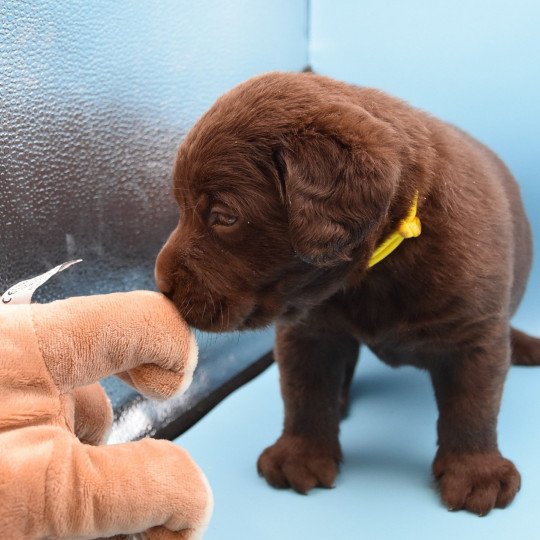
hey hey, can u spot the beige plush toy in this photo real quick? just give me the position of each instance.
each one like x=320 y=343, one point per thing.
x=55 y=479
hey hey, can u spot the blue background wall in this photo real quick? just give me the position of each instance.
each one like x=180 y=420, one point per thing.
x=475 y=64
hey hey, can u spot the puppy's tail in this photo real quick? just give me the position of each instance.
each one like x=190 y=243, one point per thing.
x=525 y=349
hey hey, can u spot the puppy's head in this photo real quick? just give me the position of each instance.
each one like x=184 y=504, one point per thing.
x=282 y=186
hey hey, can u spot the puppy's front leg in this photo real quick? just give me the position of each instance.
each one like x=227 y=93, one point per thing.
x=315 y=368
x=469 y=468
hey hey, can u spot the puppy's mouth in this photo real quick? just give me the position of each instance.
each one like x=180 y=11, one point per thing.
x=250 y=311
x=223 y=317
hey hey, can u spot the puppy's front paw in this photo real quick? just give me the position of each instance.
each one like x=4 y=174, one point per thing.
x=476 y=482
x=300 y=463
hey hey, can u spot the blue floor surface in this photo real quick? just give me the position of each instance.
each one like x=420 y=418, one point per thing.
x=385 y=489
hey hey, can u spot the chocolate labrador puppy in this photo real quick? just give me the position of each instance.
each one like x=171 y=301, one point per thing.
x=295 y=192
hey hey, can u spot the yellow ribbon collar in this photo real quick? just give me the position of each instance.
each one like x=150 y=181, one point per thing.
x=410 y=227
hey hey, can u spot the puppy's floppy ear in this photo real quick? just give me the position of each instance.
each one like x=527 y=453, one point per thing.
x=338 y=176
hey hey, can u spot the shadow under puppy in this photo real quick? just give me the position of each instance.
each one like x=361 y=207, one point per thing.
x=287 y=186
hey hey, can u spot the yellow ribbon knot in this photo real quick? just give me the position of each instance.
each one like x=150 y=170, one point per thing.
x=410 y=227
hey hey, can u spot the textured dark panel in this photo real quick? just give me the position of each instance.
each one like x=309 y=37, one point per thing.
x=94 y=100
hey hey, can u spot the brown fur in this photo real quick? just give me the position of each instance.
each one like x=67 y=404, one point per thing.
x=317 y=173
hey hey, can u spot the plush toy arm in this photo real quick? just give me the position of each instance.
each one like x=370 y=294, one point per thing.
x=135 y=487
x=57 y=487
x=137 y=334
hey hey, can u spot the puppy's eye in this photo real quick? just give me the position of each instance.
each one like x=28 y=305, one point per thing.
x=221 y=218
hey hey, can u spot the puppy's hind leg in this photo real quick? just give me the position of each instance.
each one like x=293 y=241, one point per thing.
x=525 y=349
x=470 y=470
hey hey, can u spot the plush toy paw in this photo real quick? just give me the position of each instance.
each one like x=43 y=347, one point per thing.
x=300 y=463
x=476 y=482
x=55 y=479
